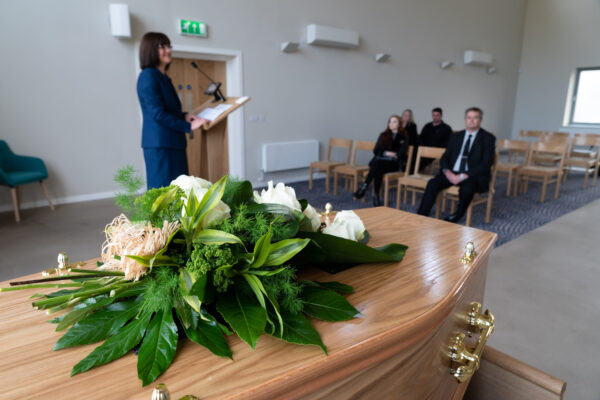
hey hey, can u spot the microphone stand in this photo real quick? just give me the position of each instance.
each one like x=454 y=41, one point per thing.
x=214 y=89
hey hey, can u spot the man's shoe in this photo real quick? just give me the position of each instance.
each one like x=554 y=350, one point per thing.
x=362 y=189
x=453 y=218
x=376 y=200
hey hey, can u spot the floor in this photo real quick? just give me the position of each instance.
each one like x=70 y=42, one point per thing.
x=542 y=286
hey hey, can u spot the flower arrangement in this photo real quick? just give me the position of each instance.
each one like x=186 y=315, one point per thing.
x=201 y=261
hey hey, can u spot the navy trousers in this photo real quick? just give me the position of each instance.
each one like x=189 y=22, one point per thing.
x=164 y=165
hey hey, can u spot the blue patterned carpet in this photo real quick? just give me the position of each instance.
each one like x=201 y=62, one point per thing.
x=511 y=217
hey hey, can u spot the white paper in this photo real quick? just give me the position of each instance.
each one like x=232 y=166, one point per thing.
x=241 y=100
x=212 y=113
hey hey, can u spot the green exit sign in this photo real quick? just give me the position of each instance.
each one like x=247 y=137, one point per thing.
x=192 y=28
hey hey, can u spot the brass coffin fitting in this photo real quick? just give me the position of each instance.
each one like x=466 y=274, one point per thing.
x=470 y=254
x=464 y=362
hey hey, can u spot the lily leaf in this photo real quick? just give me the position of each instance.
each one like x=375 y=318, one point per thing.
x=257 y=287
x=212 y=198
x=237 y=192
x=208 y=333
x=262 y=249
x=186 y=283
x=335 y=286
x=334 y=254
x=213 y=236
x=77 y=314
x=327 y=305
x=164 y=200
x=114 y=347
x=283 y=250
x=298 y=329
x=158 y=348
x=99 y=325
x=245 y=316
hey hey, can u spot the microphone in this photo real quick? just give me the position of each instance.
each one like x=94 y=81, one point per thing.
x=214 y=89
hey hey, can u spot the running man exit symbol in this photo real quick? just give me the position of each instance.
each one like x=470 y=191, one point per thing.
x=192 y=28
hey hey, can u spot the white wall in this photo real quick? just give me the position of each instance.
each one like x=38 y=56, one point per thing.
x=559 y=37
x=68 y=87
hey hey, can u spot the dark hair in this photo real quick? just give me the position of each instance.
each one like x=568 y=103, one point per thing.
x=149 y=49
x=437 y=109
x=387 y=136
x=475 y=109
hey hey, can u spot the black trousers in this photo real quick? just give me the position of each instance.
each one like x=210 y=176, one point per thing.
x=466 y=191
x=377 y=169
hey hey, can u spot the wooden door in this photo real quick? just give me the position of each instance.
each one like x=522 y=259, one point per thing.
x=190 y=85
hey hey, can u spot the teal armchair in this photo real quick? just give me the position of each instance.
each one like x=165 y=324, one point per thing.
x=18 y=170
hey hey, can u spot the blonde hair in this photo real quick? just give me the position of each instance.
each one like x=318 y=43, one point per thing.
x=410 y=112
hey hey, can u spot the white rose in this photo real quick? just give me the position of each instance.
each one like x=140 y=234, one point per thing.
x=346 y=225
x=218 y=214
x=313 y=216
x=279 y=194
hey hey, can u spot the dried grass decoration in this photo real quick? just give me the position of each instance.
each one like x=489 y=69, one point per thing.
x=124 y=238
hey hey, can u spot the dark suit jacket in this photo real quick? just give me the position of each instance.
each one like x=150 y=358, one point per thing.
x=481 y=156
x=399 y=146
x=164 y=123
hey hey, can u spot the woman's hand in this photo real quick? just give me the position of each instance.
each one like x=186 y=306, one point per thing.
x=198 y=122
x=390 y=154
x=189 y=117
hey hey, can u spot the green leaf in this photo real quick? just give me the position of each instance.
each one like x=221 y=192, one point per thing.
x=156 y=261
x=77 y=314
x=335 y=286
x=245 y=316
x=290 y=225
x=208 y=333
x=257 y=287
x=262 y=249
x=164 y=200
x=303 y=204
x=212 y=197
x=327 y=305
x=184 y=313
x=158 y=348
x=199 y=287
x=282 y=251
x=186 y=284
x=266 y=273
x=237 y=192
x=334 y=254
x=298 y=329
x=114 y=347
x=99 y=325
x=213 y=236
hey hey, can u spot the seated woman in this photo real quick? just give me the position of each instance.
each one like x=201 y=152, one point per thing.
x=390 y=155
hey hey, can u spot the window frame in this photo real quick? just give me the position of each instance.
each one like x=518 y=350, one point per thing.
x=573 y=99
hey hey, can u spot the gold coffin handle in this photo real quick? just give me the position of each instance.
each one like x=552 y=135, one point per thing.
x=464 y=362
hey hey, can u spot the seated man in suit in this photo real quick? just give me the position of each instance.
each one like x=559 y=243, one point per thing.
x=466 y=162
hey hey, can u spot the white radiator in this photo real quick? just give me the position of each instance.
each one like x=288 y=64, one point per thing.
x=289 y=155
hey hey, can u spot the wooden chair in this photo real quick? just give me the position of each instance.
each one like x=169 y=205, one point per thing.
x=417 y=182
x=502 y=377
x=541 y=173
x=480 y=198
x=532 y=135
x=516 y=149
x=586 y=153
x=391 y=178
x=352 y=170
x=588 y=162
x=328 y=165
x=543 y=158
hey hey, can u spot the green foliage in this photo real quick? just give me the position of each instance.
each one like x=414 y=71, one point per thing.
x=128 y=179
x=285 y=289
x=250 y=227
x=161 y=290
x=158 y=347
x=237 y=192
x=207 y=258
x=143 y=207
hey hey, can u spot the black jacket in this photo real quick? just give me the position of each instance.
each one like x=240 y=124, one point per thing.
x=481 y=156
x=399 y=146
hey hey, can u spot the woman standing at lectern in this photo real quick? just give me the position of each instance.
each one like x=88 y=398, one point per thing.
x=165 y=125
x=390 y=155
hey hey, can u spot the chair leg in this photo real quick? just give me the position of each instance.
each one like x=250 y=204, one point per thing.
x=469 y=214
x=595 y=174
x=438 y=203
x=452 y=206
x=386 y=189
x=585 y=180
x=508 y=183
x=15 y=200
x=488 y=210
x=556 y=193
x=398 y=193
x=516 y=188
x=43 y=185
x=327 y=177
x=310 y=178
x=544 y=184
x=414 y=198
x=335 y=182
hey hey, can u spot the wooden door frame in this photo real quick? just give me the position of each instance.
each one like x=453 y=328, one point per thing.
x=235 y=87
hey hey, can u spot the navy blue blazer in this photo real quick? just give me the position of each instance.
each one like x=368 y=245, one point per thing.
x=164 y=123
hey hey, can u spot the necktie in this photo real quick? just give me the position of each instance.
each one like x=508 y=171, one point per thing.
x=465 y=155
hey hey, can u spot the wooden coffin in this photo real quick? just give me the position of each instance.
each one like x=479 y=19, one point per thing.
x=398 y=349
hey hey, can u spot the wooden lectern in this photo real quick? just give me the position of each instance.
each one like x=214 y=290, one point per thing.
x=207 y=149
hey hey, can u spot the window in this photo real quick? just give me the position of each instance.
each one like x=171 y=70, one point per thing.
x=585 y=104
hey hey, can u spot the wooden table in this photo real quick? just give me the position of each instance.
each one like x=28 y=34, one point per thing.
x=396 y=350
